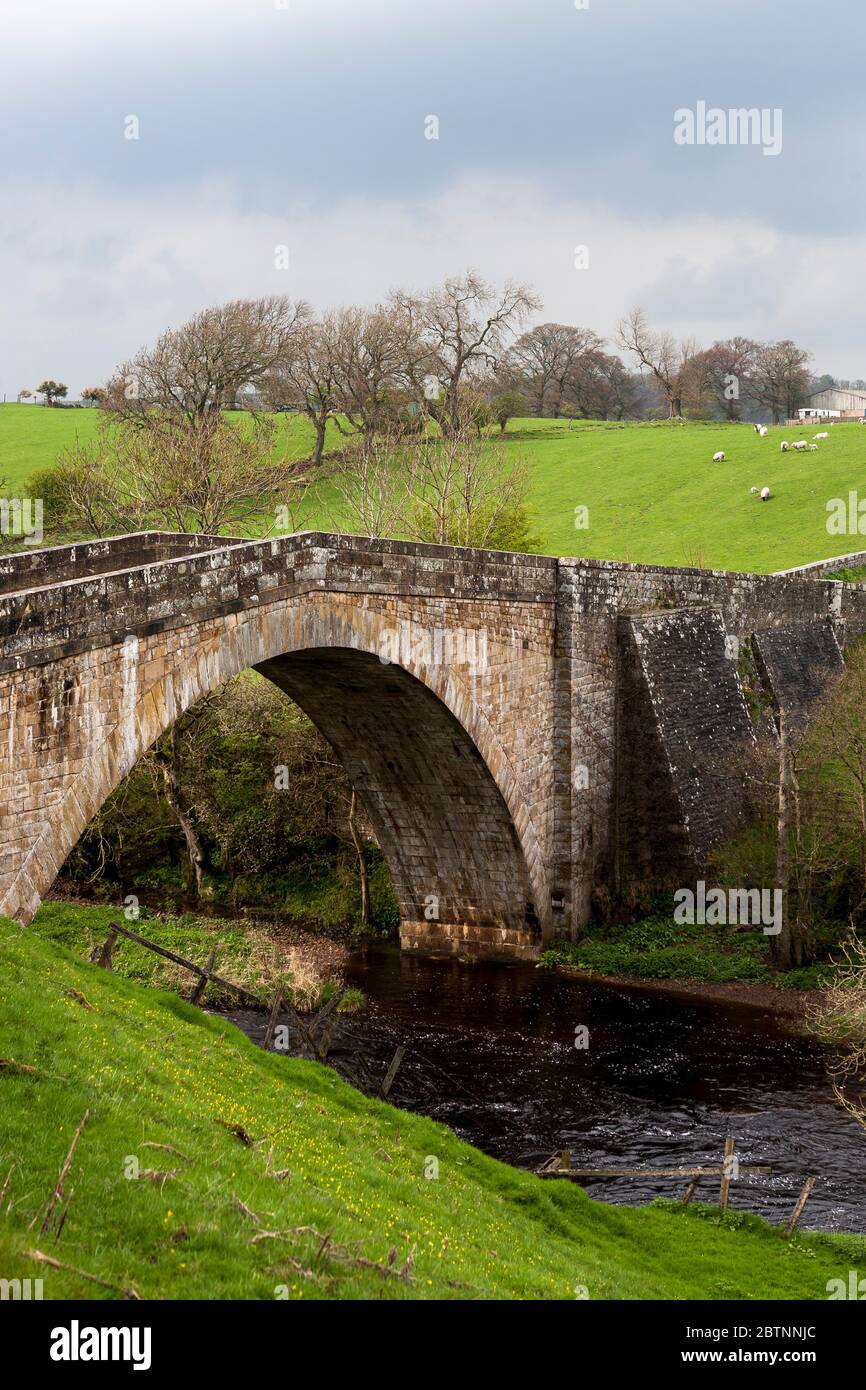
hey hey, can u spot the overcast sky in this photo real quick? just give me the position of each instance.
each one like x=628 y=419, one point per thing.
x=302 y=123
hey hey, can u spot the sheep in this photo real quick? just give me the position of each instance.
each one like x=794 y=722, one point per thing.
x=763 y=431
x=814 y=448
x=755 y=490
x=719 y=457
x=800 y=444
x=824 y=434
x=784 y=446
x=757 y=429
x=765 y=493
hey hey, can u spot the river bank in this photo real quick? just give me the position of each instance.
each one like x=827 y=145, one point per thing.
x=787 y=1003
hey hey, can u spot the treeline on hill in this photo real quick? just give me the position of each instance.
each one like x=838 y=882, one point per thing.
x=240 y=803
x=403 y=377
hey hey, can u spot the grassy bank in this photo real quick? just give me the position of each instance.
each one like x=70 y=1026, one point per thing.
x=260 y=958
x=653 y=493
x=658 y=948
x=151 y=1071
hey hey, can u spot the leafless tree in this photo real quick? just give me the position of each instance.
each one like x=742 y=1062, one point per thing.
x=545 y=363
x=464 y=326
x=731 y=366
x=193 y=373
x=304 y=376
x=669 y=361
x=186 y=478
x=781 y=377
x=371 y=489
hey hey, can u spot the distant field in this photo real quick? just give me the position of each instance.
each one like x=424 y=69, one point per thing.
x=653 y=492
x=32 y=436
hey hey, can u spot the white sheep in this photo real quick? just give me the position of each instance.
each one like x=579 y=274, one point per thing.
x=755 y=490
x=763 y=431
x=800 y=444
x=813 y=448
x=824 y=434
x=719 y=457
x=784 y=446
x=765 y=493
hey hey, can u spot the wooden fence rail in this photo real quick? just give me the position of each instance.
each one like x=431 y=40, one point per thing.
x=205 y=974
x=559 y=1166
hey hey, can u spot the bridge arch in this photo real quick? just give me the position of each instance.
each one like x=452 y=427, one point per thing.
x=440 y=791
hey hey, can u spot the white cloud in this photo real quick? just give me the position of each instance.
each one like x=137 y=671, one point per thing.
x=90 y=276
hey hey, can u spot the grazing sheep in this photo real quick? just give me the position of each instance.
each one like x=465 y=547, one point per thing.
x=763 y=431
x=800 y=444
x=719 y=457
x=757 y=429
x=754 y=489
x=814 y=448
x=784 y=446
x=765 y=493
x=825 y=434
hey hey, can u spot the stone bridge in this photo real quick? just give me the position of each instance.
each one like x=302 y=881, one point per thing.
x=533 y=739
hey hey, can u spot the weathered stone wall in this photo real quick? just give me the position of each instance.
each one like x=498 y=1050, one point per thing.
x=692 y=695
x=30 y=569
x=528 y=735
x=798 y=662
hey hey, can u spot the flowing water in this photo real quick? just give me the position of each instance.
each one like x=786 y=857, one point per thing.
x=490 y=1051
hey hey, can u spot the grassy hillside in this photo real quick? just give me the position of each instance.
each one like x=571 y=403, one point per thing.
x=652 y=490
x=207 y=1117
x=654 y=494
x=32 y=436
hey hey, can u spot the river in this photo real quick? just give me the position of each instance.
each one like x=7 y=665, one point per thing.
x=490 y=1051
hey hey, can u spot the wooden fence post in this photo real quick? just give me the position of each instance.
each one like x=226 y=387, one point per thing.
x=107 y=948
x=726 y=1173
x=690 y=1191
x=392 y=1071
x=803 y=1198
x=203 y=982
x=272 y=1021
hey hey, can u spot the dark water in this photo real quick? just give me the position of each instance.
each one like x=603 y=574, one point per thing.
x=491 y=1052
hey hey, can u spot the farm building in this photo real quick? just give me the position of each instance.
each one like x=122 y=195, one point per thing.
x=834 y=403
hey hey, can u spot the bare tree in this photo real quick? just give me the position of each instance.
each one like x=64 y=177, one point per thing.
x=465 y=489
x=305 y=376
x=372 y=489
x=546 y=363
x=781 y=377
x=377 y=361
x=731 y=365
x=193 y=373
x=668 y=360
x=186 y=478
x=464 y=326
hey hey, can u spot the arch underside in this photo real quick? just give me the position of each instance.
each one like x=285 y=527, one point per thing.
x=458 y=869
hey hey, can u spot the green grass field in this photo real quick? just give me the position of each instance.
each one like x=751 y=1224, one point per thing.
x=171 y=1201
x=652 y=491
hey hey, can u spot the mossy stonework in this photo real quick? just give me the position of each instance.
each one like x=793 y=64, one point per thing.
x=510 y=721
